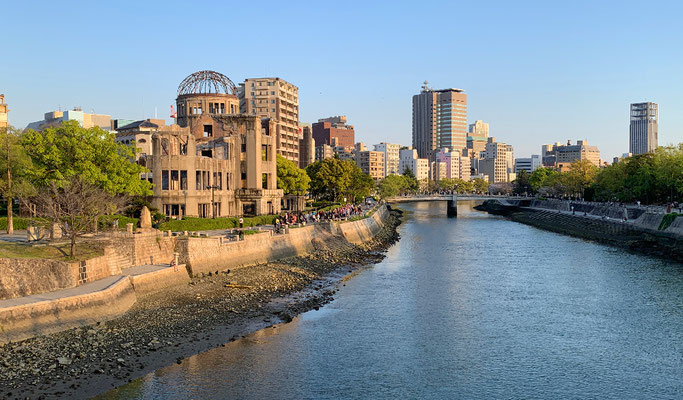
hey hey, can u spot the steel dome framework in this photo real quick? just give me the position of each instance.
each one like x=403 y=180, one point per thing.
x=207 y=82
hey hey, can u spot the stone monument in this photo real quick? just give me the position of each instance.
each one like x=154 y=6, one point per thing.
x=145 y=219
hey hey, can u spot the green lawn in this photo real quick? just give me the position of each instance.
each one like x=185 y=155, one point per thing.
x=59 y=252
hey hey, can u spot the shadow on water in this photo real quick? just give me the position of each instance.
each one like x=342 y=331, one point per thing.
x=469 y=307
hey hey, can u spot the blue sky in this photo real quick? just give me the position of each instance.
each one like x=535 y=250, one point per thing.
x=538 y=72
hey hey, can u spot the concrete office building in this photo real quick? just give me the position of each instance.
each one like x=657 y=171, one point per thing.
x=408 y=159
x=4 y=112
x=306 y=146
x=139 y=134
x=497 y=162
x=323 y=151
x=391 y=157
x=569 y=153
x=529 y=164
x=439 y=120
x=86 y=120
x=643 y=128
x=277 y=99
x=371 y=163
x=477 y=137
x=457 y=166
x=333 y=131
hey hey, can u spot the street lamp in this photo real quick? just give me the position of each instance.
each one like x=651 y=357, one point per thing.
x=213 y=207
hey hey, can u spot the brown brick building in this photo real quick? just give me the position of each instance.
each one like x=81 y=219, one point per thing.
x=333 y=131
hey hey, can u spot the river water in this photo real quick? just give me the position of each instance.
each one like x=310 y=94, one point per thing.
x=476 y=307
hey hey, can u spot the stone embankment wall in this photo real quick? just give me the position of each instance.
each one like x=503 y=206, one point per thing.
x=26 y=276
x=642 y=234
x=24 y=321
x=203 y=255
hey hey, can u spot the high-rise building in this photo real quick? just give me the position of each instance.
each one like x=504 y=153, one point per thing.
x=498 y=162
x=391 y=157
x=306 y=146
x=4 y=119
x=371 y=163
x=439 y=120
x=643 y=128
x=333 y=131
x=277 y=99
x=569 y=153
x=529 y=164
x=408 y=159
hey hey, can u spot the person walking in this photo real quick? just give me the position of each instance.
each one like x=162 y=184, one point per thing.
x=241 y=222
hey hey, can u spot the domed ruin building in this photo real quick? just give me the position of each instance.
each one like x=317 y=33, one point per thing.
x=215 y=162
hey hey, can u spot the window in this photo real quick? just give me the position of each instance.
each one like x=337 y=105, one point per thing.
x=183 y=180
x=244 y=146
x=272 y=93
x=198 y=180
x=264 y=181
x=222 y=108
x=175 y=181
x=264 y=152
x=208 y=130
x=272 y=101
x=164 y=179
x=244 y=175
x=219 y=181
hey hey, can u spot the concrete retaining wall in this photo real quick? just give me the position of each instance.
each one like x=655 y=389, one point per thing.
x=28 y=320
x=363 y=230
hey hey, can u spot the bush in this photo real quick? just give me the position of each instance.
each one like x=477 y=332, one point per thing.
x=667 y=220
x=206 y=224
x=19 y=223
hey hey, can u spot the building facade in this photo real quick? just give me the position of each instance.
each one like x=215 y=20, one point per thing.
x=439 y=120
x=323 y=151
x=528 y=164
x=643 y=127
x=276 y=99
x=4 y=112
x=408 y=159
x=497 y=162
x=391 y=157
x=306 y=147
x=86 y=120
x=371 y=163
x=333 y=131
x=457 y=166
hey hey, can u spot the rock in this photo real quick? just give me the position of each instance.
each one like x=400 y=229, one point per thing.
x=145 y=218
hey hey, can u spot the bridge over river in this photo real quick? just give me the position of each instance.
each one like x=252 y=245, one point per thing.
x=453 y=199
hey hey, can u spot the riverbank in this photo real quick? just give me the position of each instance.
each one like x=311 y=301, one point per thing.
x=639 y=235
x=165 y=327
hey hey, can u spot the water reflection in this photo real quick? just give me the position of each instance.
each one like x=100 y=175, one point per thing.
x=473 y=307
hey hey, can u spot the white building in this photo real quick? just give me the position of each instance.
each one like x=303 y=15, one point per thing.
x=408 y=159
x=391 y=157
x=529 y=164
x=497 y=162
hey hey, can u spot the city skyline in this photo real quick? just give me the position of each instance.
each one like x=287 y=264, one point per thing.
x=538 y=74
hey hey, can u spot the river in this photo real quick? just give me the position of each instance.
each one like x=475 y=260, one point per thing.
x=476 y=307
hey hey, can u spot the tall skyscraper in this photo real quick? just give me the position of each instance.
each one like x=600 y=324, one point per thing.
x=277 y=99
x=643 y=128
x=439 y=120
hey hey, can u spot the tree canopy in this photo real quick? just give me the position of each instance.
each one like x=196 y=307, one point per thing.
x=332 y=179
x=14 y=167
x=69 y=150
x=290 y=178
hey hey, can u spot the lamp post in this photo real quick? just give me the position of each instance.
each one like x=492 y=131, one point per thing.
x=213 y=207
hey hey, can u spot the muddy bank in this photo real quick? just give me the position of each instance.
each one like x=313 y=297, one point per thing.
x=163 y=328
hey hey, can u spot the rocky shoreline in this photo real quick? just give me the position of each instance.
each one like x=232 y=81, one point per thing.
x=166 y=327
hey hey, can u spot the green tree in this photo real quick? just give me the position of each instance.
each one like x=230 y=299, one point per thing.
x=581 y=175
x=540 y=177
x=413 y=184
x=332 y=177
x=480 y=185
x=14 y=165
x=290 y=178
x=446 y=184
x=69 y=150
x=392 y=186
x=361 y=184
x=521 y=184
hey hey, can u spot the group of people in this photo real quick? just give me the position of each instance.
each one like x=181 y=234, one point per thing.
x=336 y=214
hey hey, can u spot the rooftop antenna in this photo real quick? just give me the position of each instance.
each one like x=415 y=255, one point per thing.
x=425 y=86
